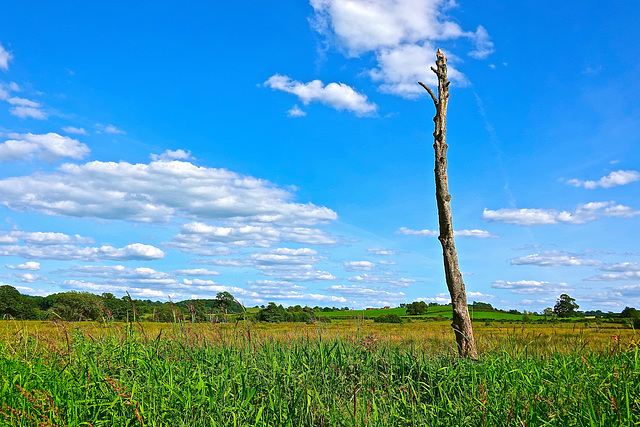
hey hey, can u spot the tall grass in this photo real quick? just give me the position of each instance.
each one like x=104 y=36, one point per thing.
x=338 y=375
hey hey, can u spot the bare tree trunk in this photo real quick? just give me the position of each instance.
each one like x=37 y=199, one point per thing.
x=461 y=321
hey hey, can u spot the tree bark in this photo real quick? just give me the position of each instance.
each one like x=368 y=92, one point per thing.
x=461 y=322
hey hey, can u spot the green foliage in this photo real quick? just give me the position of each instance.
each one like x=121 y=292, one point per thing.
x=16 y=305
x=477 y=305
x=565 y=306
x=273 y=313
x=124 y=380
x=76 y=306
x=388 y=318
x=417 y=308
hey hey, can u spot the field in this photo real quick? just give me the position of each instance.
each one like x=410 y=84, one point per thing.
x=347 y=373
x=433 y=312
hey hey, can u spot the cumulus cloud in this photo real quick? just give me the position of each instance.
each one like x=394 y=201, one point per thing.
x=582 y=214
x=335 y=95
x=5 y=57
x=614 y=179
x=48 y=147
x=555 y=259
x=401 y=35
x=156 y=192
x=29 y=265
x=136 y=251
x=531 y=287
x=400 y=68
x=170 y=155
x=359 y=266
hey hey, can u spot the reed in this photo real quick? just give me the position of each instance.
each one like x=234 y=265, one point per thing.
x=349 y=373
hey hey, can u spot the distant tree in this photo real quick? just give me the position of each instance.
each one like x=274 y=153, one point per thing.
x=16 y=305
x=565 y=306
x=272 y=313
x=548 y=312
x=477 y=305
x=628 y=312
x=76 y=306
x=417 y=308
x=513 y=311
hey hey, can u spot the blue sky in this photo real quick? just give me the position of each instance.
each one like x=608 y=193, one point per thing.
x=282 y=151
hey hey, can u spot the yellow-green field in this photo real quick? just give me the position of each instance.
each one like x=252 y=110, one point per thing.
x=346 y=373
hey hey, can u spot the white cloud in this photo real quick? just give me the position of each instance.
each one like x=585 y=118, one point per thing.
x=30 y=277
x=46 y=238
x=136 y=251
x=21 y=107
x=5 y=57
x=359 y=266
x=29 y=265
x=74 y=130
x=475 y=233
x=484 y=45
x=621 y=271
x=387 y=279
x=368 y=25
x=401 y=34
x=422 y=233
x=28 y=112
x=48 y=147
x=582 y=214
x=296 y=273
x=555 y=259
x=270 y=290
x=614 y=179
x=367 y=294
x=401 y=68
x=197 y=238
x=295 y=111
x=336 y=95
x=196 y=272
x=169 y=155
x=531 y=287
x=480 y=296
x=112 y=129
x=382 y=251
x=156 y=192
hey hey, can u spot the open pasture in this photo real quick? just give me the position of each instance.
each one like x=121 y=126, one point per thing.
x=348 y=373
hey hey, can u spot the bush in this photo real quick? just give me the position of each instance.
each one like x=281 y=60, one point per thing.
x=388 y=318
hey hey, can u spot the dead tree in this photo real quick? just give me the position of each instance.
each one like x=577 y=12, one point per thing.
x=461 y=322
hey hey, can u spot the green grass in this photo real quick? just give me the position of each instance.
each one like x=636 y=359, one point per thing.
x=224 y=376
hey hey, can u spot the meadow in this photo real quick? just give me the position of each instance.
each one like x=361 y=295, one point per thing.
x=350 y=372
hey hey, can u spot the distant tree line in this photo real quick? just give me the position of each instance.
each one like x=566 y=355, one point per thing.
x=77 y=306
